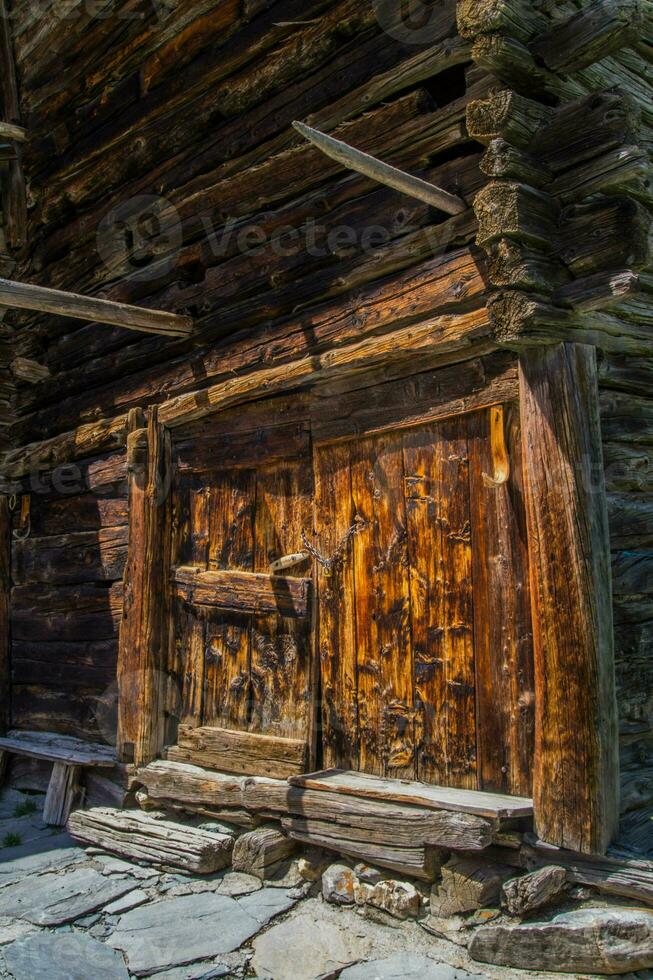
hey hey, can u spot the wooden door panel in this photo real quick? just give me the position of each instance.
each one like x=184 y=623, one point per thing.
x=437 y=495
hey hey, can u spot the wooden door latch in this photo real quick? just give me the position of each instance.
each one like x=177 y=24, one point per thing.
x=499 y=449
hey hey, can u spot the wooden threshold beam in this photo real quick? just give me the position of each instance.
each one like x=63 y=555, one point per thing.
x=26 y=296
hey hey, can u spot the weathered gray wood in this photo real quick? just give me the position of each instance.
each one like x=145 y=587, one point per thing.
x=63 y=792
x=367 y=165
x=25 y=296
x=58 y=748
x=590 y=35
x=492 y=805
x=25 y=369
x=239 y=752
x=576 y=777
x=194 y=787
x=506 y=115
x=261 y=851
x=467 y=884
x=139 y=837
x=532 y=891
x=415 y=862
x=244 y=592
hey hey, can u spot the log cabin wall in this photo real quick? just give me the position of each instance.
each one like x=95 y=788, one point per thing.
x=192 y=107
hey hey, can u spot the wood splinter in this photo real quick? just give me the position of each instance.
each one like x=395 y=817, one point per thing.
x=500 y=457
x=369 y=166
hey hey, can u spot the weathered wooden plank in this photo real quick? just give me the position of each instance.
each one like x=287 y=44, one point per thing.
x=244 y=592
x=384 y=655
x=239 y=752
x=26 y=296
x=58 y=748
x=227 y=686
x=71 y=614
x=63 y=792
x=86 y=556
x=242 y=450
x=261 y=851
x=436 y=465
x=576 y=765
x=5 y=614
x=493 y=805
x=334 y=516
x=283 y=661
x=606 y=233
x=503 y=642
x=590 y=35
x=140 y=837
x=195 y=787
x=144 y=628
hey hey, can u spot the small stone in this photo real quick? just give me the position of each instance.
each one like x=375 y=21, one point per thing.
x=534 y=890
x=313 y=863
x=398 y=898
x=306 y=946
x=339 y=884
x=453 y=929
x=287 y=875
x=605 y=941
x=237 y=883
x=220 y=827
x=64 y=956
x=369 y=874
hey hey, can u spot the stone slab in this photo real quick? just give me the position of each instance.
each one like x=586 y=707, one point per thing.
x=38 y=857
x=63 y=956
x=305 y=948
x=406 y=966
x=53 y=899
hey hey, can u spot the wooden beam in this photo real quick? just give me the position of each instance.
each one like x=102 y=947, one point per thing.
x=383 y=173
x=25 y=296
x=244 y=592
x=143 y=631
x=10 y=132
x=576 y=777
x=52 y=747
x=239 y=752
x=24 y=369
x=595 y=32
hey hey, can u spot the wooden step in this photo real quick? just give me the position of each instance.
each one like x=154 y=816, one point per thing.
x=52 y=747
x=493 y=805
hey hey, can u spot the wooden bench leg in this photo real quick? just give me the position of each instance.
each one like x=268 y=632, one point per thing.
x=63 y=789
x=4 y=764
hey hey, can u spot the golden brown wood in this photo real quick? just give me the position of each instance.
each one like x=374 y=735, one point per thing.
x=576 y=767
x=244 y=592
x=240 y=752
x=143 y=633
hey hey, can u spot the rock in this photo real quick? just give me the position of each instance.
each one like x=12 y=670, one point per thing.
x=236 y=883
x=110 y=865
x=287 y=875
x=399 y=898
x=604 y=941
x=179 y=931
x=31 y=859
x=260 y=852
x=534 y=890
x=220 y=827
x=64 y=956
x=453 y=929
x=129 y=901
x=306 y=947
x=406 y=966
x=313 y=863
x=12 y=929
x=372 y=876
x=339 y=885
x=52 y=899
x=468 y=884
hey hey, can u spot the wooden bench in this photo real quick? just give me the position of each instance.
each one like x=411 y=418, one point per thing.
x=69 y=756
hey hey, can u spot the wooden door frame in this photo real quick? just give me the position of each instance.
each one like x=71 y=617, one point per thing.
x=575 y=779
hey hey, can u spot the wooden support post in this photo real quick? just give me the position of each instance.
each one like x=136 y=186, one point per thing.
x=576 y=779
x=63 y=790
x=5 y=592
x=143 y=632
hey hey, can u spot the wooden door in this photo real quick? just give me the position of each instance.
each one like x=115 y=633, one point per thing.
x=241 y=647
x=424 y=611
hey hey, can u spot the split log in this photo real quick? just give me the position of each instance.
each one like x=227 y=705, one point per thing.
x=607 y=233
x=517 y=265
x=467 y=884
x=244 y=592
x=516 y=18
x=510 y=210
x=139 y=837
x=31 y=371
x=62 y=795
x=414 y=862
x=592 y=34
x=534 y=890
x=587 y=128
x=507 y=116
x=262 y=851
x=239 y=752
x=403 y=826
x=626 y=170
x=25 y=296
x=194 y=787
x=576 y=766
x=513 y=63
x=504 y=161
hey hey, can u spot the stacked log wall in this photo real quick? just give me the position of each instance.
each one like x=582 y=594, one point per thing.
x=566 y=224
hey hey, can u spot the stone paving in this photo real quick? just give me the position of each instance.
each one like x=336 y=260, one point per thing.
x=72 y=914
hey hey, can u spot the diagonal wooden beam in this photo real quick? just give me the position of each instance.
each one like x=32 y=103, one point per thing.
x=382 y=172
x=25 y=296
